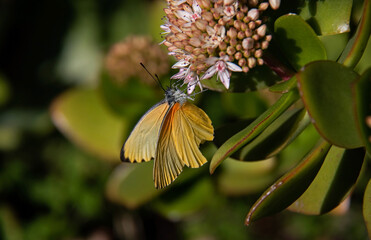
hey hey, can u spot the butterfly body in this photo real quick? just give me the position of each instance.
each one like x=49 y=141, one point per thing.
x=170 y=133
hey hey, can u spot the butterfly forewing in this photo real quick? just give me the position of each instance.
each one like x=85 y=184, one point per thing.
x=141 y=144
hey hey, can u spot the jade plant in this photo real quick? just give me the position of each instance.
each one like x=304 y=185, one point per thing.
x=288 y=91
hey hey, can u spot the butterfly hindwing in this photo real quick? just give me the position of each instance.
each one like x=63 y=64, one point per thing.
x=195 y=128
x=184 y=128
x=141 y=144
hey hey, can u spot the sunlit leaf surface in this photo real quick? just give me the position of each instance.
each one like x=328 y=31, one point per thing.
x=298 y=41
x=327 y=17
x=82 y=116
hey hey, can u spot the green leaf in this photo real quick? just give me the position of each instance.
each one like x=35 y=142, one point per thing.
x=334 y=44
x=364 y=62
x=257 y=78
x=357 y=44
x=131 y=184
x=291 y=155
x=83 y=117
x=284 y=87
x=362 y=93
x=333 y=183
x=367 y=208
x=241 y=178
x=298 y=41
x=327 y=17
x=250 y=132
x=325 y=88
x=186 y=200
x=276 y=136
x=289 y=187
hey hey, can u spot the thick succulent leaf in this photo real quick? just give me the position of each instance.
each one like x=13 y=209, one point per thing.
x=327 y=17
x=223 y=133
x=364 y=62
x=284 y=87
x=187 y=200
x=241 y=178
x=334 y=44
x=289 y=187
x=367 y=207
x=276 y=136
x=132 y=185
x=325 y=88
x=84 y=118
x=298 y=42
x=250 y=132
x=257 y=78
x=362 y=91
x=291 y=155
x=357 y=44
x=333 y=183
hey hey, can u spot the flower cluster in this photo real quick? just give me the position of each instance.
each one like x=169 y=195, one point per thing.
x=122 y=61
x=209 y=37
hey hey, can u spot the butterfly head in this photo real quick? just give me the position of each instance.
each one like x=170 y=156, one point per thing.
x=174 y=94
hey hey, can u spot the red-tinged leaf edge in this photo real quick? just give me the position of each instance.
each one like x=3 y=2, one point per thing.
x=305 y=171
x=250 y=132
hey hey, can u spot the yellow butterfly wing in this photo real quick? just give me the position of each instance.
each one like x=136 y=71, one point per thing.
x=184 y=128
x=141 y=144
x=197 y=129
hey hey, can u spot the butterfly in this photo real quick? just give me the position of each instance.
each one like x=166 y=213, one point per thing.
x=170 y=133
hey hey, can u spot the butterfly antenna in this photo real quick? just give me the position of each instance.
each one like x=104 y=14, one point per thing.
x=156 y=79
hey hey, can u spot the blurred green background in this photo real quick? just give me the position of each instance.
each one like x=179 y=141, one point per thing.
x=68 y=183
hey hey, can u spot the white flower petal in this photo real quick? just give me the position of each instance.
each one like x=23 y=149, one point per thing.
x=211 y=31
x=180 y=64
x=186 y=16
x=200 y=85
x=196 y=7
x=165 y=27
x=209 y=73
x=177 y=2
x=224 y=78
x=222 y=32
x=180 y=75
x=233 y=67
x=191 y=87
